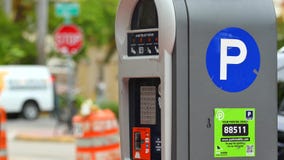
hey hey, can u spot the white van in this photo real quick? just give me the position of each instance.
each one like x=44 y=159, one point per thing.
x=26 y=89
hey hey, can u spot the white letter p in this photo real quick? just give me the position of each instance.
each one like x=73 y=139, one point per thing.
x=225 y=60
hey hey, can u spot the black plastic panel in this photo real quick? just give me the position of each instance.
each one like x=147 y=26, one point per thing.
x=135 y=85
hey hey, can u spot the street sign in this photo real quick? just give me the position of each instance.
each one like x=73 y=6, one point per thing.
x=67 y=10
x=233 y=59
x=68 y=39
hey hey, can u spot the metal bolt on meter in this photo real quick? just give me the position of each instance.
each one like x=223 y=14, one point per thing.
x=197 y=79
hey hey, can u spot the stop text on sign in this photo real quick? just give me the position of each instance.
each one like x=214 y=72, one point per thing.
x=71 y=39
x=68 y=39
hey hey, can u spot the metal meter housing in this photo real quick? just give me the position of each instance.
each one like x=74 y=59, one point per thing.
x=171 y=104
x=145 y=43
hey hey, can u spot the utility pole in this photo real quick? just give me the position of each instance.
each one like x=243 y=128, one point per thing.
x=42 y=19
x=8 y=7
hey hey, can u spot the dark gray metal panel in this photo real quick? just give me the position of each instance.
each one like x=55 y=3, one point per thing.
x=180 y=146
x=207 y=17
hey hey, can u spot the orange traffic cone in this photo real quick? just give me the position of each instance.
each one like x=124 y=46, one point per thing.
x=97 y=136
x=3 y=138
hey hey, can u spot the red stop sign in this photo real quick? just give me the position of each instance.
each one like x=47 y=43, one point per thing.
x=68 y=39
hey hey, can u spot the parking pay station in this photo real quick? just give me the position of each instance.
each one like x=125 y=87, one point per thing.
x=197 y=79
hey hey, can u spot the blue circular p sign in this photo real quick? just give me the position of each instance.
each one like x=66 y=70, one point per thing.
x=233 y=59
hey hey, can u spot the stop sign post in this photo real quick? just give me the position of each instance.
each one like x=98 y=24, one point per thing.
x=68 y=39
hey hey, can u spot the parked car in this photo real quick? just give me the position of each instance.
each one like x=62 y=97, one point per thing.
x=26 y=89
x=281 y=123
x=281 y=132
x=280 y=117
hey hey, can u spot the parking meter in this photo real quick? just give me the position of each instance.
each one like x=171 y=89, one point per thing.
x=145 y=77
x=197 y=79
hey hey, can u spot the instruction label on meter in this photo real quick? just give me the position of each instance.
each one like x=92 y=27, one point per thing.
x=234 y=132
x=143 y=44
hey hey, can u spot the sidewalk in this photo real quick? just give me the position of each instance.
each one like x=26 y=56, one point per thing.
x=43 y=129
x=41 y=139
x=44 y=135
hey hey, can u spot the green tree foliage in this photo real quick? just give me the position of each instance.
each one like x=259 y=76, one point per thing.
x=99 y=21
x=96 y=19
x=280 y=33
x=14 y=48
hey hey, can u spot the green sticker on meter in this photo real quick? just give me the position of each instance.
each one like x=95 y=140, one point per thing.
x=234 y=132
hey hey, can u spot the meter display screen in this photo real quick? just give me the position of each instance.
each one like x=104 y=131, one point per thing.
x=148 y=105
x=143 y=44
x=235 y=129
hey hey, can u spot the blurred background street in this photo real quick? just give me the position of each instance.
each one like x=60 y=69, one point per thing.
x=46 y=68
x=31 y=140
x=63 y=79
